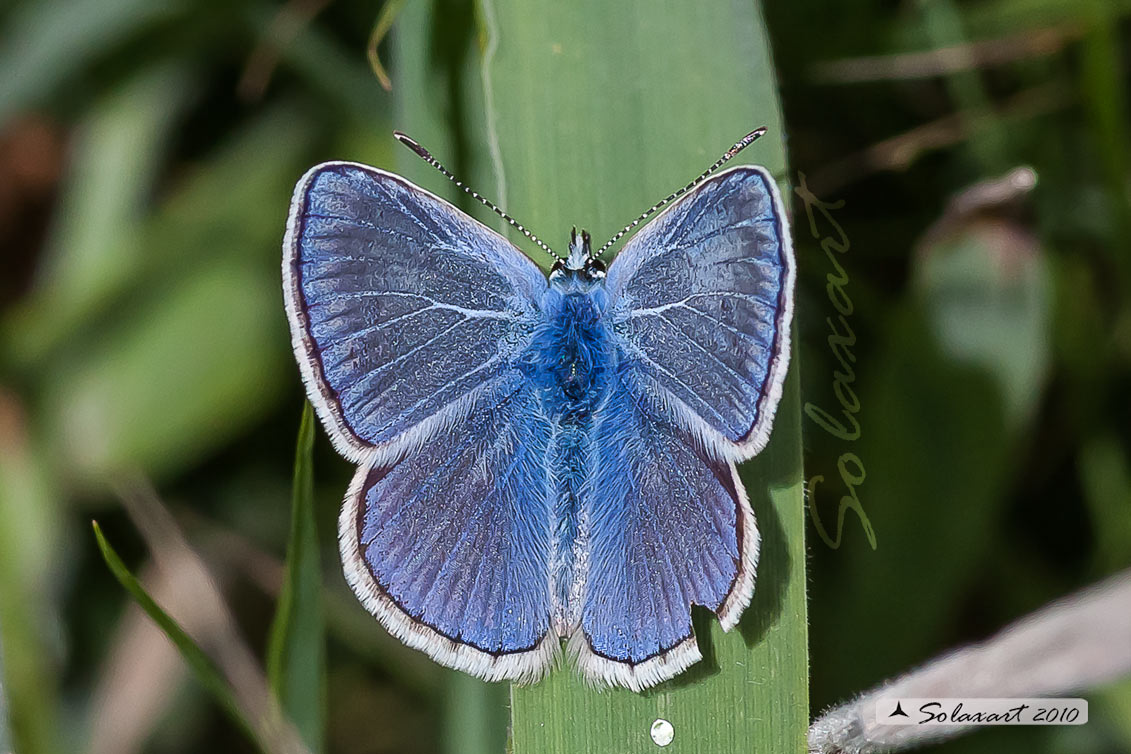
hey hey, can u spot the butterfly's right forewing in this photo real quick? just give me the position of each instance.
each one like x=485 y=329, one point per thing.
x=403 y=309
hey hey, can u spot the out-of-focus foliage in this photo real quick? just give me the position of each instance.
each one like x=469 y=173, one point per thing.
x=992 y=335
x=296 y=651
x=202 y=668
x=147 y=154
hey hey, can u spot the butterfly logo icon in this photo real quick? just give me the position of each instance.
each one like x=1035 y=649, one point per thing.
x=541 y=459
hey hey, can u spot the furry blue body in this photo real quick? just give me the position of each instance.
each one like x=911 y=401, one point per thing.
x=572 y=361
x=541 y=460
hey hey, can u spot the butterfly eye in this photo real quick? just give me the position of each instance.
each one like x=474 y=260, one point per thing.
x=595 y=268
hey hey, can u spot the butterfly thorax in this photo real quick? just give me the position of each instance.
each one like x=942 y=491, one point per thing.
x=570 y=358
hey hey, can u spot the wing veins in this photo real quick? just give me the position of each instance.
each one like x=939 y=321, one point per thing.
x=747 y=223
x=480 y=511
x=389 y=197
x=741 y=380
x=728 y=326
x=640 y=354
x=421 y=488
x=653 y=310
x=677 y=579
x=467 y=313
x=673 y=464
x=362 y=378
x=376 y=328
x=432 y=241
x=442 y=389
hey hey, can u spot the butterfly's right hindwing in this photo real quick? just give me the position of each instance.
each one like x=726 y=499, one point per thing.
x=449 y=547
x=403 y=310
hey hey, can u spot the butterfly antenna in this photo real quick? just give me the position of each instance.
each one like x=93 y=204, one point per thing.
x=427 y=157
x=740 y=145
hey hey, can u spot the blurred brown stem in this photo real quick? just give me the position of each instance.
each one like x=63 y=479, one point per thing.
x=192 y=590
x=945 y=60
x=900 y=152
x=288 y=23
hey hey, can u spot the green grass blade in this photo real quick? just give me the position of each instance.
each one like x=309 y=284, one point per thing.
x=31 y=522
x=584 y=114
x=296 y=653
x=5 y=736
x=202 y=668
x=474 y=717
x=1104 y=93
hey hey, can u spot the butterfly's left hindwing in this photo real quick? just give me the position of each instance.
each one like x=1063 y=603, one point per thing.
x=667 y=527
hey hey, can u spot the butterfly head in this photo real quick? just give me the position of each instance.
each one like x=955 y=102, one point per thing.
x=580 y=265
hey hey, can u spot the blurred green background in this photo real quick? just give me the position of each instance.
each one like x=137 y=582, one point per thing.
x=148 y=149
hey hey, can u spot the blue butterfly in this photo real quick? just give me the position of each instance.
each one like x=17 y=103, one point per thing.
x=543 y=459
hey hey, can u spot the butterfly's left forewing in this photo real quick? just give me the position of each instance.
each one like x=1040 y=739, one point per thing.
x=701 y=299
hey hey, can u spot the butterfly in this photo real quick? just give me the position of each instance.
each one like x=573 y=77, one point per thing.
x=541 y=460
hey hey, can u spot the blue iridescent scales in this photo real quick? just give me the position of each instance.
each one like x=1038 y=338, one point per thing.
x=542 y=460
